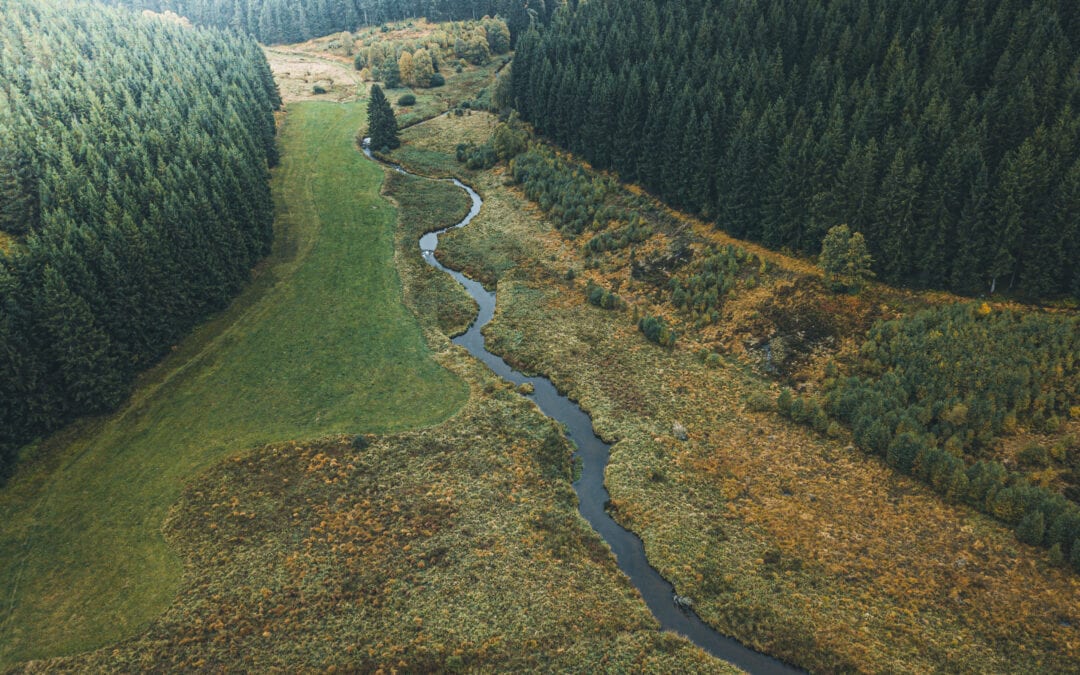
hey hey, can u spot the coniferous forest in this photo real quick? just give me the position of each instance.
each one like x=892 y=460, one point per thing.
x=945 y=131
x=277 y=21
x=134 y=154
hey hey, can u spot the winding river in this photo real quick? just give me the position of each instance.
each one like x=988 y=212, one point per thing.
x=592 y=495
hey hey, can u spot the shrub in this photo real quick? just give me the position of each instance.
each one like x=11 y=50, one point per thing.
x=902 y=451
x=656 y=330
x=759 y=401
x=1034 y=455
x=476 y=157
x=406 y=99
x=318 y=89
x=437 y=80
x=598 y=296
x=1031 y=528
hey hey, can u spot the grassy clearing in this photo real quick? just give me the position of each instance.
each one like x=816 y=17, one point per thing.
x=328 y=62
x=459 y=87
x=298 y=71
x=320 y=344
x=429 y=149
x=793 y=542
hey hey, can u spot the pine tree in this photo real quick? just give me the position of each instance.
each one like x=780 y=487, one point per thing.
x=382 y=125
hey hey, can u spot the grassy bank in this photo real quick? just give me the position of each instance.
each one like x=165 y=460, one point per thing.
x=321 y=343
x=790 y=540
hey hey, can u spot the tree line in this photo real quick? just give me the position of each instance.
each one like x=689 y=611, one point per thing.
x=281 y=21
x=945 y=131
x=134 y=187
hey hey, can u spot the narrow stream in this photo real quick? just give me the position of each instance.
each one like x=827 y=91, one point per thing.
x=629 y=551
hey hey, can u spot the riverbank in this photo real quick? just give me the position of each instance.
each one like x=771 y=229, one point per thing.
x=674 y=613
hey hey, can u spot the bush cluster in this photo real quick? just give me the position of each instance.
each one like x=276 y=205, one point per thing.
x=656 y=330
x=599 y=296
x=704 y=291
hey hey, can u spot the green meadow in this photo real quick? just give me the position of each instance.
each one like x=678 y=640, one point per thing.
x=320 y=343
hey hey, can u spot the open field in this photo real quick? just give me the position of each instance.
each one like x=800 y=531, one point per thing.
x=319 y=344
x=792 y=541
x=298 y=72
x=424 y=151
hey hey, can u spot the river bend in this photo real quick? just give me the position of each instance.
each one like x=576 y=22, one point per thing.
x=593 y=496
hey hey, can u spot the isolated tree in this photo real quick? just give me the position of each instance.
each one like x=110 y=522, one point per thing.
x=845 y=258
x=382 y=125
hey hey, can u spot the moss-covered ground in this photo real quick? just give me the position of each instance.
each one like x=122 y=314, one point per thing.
x=792 y=541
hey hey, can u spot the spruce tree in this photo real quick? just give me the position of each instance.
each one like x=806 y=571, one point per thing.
x=382 y=125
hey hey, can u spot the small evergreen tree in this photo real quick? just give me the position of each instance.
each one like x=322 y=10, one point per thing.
x=382 y=125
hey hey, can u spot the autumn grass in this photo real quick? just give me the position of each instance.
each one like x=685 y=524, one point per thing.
x=793 y=542
x=459 y=88
x=434 y=551
x=320 y=344
x=429 y=149
x=298 y=71
x=428 y=205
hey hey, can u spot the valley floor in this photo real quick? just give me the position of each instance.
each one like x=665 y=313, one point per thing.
x=455 y=545
x=319 y=480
